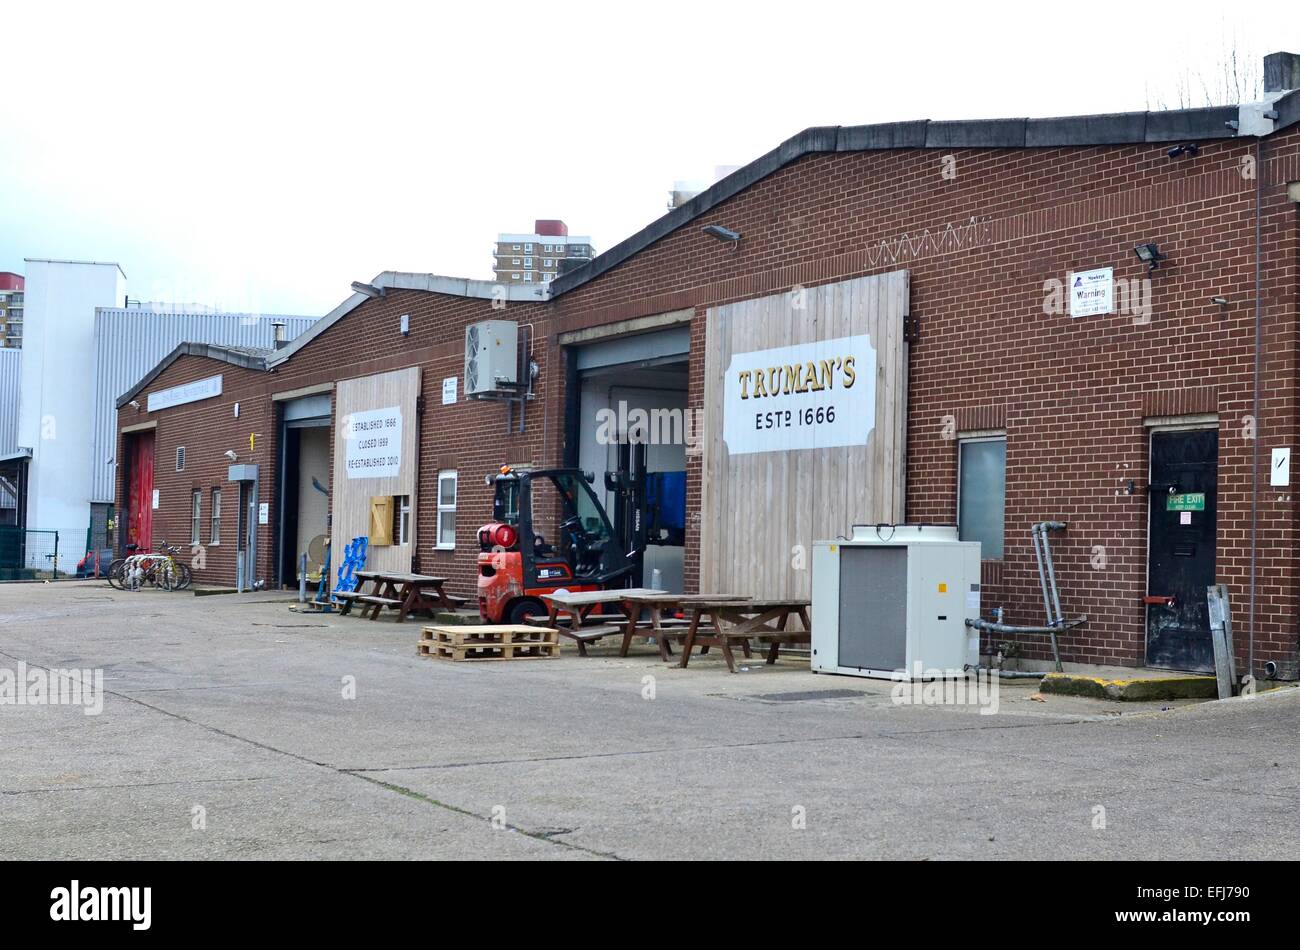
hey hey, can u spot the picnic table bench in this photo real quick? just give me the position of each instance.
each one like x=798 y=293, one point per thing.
x=573 y=614
x=406 y=593
x=764 y=620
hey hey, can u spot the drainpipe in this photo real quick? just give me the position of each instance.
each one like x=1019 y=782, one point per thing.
x=1254 y=446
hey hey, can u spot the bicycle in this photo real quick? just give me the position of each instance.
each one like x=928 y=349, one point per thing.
x=159 y=568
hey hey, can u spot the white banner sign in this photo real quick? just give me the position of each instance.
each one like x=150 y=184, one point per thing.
x=190 y=392
x=1092 y=292
x=810 y=395
x=449 y=390
x=374 y=443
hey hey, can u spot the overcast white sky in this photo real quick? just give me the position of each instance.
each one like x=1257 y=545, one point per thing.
x=260 y=158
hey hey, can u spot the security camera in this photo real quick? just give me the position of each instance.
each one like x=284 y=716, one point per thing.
x=230 y=454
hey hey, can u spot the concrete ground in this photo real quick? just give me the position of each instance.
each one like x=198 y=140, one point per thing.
x=226 y=733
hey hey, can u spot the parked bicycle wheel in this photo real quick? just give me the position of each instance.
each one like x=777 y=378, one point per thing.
x=187 y=576
x=115 y=573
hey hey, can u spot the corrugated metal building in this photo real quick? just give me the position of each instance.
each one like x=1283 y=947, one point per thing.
x=130 y=342
x=11 y=363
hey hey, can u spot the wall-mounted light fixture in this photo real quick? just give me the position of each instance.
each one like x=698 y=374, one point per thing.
x=1191 y=148
x=1149 y=254
x=230 y=454
x=722 y=234
x=370 y=290
x=134 y=404
x=406 y=324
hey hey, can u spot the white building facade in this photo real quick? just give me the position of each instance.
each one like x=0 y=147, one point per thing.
x=82 y=349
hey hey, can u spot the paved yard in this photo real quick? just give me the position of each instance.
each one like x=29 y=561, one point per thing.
x=226 y=732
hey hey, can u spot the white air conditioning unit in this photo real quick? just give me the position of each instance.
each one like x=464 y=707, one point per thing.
x=892 y=602
x=491 y=358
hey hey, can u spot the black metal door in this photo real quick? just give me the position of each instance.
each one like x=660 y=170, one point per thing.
x=1183 y=528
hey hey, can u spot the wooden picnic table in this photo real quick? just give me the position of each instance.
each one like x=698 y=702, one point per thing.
x=578 y=607
x=764 y=620
x=406 y=593
x=654 y=604
x=631 y=603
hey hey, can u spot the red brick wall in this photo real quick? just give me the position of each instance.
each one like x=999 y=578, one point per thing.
x=1071 y=394
x=470 y=437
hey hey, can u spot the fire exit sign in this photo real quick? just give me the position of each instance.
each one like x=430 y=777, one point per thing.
x=1192 y=501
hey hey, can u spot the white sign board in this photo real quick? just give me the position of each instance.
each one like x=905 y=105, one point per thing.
x=1092 y=292
x=264 y=513
x=810 y=395
x=374 y=443
x=190 y=392
x=449 y=390
x=155 y=499
x=1281 y=472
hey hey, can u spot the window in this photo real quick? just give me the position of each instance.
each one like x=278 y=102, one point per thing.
x=446 y=538
x=982 y=492
x=514 y=247
x=548 y=262
x=196 y=512
x=514 y=276
x=515 y=261
x=528 y=249
x=528 y=276
x=214 y=533
x=402 y=519
x=528 y=262
x=180 y=458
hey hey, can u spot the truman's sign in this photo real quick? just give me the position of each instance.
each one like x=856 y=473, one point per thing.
x=190 y=392
x=810 y=395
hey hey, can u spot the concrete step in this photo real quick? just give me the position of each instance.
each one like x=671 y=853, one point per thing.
x=1142 y=687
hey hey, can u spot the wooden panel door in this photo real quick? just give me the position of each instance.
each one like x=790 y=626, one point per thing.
x=360 y=473
x=766 y=499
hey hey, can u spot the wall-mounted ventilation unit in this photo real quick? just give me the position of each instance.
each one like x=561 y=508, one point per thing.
x=491 y=358
x=893 y=600
x=180 y=458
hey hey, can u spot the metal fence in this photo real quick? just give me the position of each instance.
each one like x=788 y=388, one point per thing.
x=33 y=555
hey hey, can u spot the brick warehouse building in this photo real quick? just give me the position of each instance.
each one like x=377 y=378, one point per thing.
x=950 y=246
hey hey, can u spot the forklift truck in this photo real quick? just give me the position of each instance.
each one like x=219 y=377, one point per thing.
x=518 y=564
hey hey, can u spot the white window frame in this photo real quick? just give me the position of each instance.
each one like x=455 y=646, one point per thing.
x=450 y=476
x=196 y=515
x=514 y=247
x=402 y=507
x=515 y=261
x=528 y=277
x=983 y=436
x=528 y=249
x=214 y=525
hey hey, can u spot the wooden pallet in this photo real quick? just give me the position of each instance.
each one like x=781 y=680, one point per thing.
x=488 y=642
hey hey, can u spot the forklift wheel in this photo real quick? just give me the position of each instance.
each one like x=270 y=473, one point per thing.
x=523 y=609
